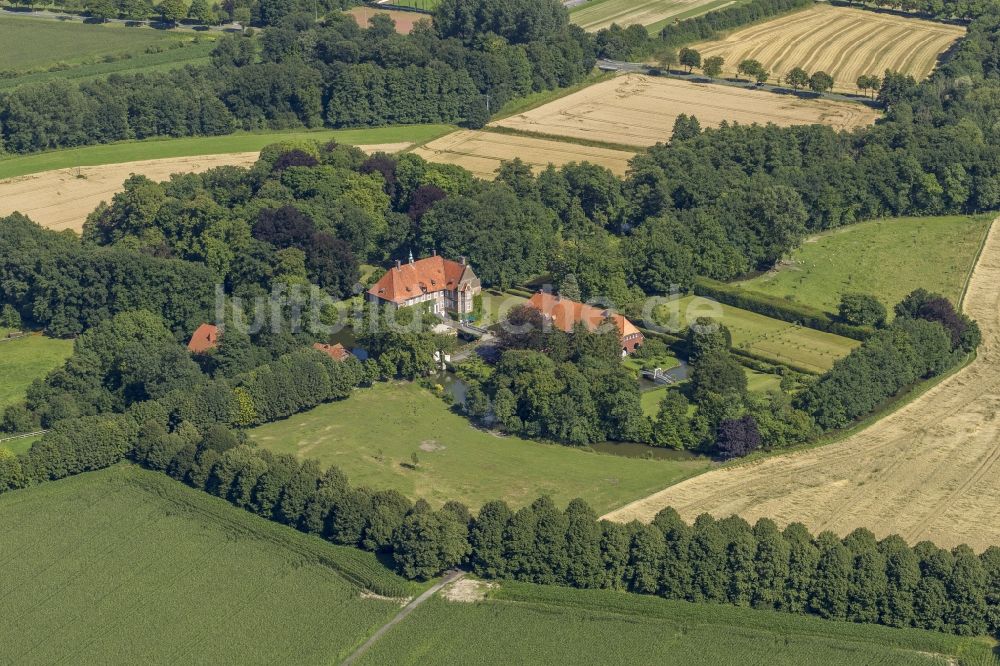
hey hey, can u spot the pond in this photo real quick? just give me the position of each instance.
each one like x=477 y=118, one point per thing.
x=634 y=450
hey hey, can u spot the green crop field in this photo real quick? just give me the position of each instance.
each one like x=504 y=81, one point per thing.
x=126 y=566
x=521 y=623
x=23 y=360
x=886 y=258
x=36 y=43
x=190 y=54
x=373 y=434
x=129 y=151
x=778 y=341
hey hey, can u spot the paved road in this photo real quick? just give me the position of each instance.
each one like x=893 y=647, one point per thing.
x=642 y=68
x=410 y=607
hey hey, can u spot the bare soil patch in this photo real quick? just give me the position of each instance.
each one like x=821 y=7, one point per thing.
x=843 y=42
x=62 y=199
x=928 y=471
x=639 y=110
x=431 y=445
x=482 y=152
x=467 y=590
x=404 y=20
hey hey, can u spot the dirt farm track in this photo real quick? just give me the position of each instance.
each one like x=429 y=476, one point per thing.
x=930 y=471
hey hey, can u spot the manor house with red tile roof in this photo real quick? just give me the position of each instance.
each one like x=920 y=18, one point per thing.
x=450 y=286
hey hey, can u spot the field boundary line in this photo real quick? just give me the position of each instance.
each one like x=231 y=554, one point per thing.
x=589 y=143
x=22 y=436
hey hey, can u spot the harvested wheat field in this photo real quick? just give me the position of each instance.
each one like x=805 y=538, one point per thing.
x=931 y=470
x=638 y=110
x=62 y=199
x=482 y=152
x=845 y=43
x=597 y=14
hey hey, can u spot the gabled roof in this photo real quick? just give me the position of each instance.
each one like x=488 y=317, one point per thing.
x=337 y=352
x=205 y=338
x=564 y=314
x=411 y=279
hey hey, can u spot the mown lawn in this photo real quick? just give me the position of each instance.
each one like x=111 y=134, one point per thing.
x=532 y=624
x=128 y=566
x=129 y=151
x=373 y=435
x=30 y=43
x=23 y=360
x=778 y=341
x=886 y=258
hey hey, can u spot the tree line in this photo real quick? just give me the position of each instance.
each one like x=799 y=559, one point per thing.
x=857 y=578
x=301 y=73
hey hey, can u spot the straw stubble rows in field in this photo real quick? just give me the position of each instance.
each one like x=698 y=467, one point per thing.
x=482 y=152
x=843 y=42
x=927 y=471
x=598 y=14
x=640 y=111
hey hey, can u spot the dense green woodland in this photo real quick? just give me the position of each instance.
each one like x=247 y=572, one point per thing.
x=714 y=203
x=300 y=73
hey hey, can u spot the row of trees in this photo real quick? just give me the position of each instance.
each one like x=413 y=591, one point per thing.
x=857 y=578
x=817 y=82
x=941 y=9
x=927 y=337
x=301 y=73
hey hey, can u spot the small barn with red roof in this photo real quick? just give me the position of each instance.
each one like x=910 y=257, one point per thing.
x=204 y=339
x=564 y=314
x=337 y=352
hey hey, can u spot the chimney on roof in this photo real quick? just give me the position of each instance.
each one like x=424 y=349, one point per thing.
x=398 y=264
x=462 y=259
x=411 y=256
x=434 y=252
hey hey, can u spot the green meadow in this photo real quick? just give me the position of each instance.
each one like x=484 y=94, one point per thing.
x=886 y=258
x=374 y=434
x=25 y=359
